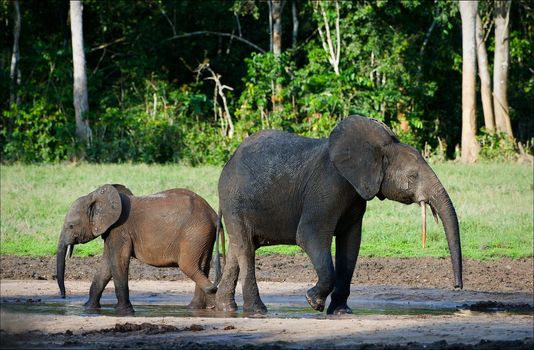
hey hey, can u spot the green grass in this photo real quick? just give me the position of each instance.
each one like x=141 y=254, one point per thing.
x=494 y=204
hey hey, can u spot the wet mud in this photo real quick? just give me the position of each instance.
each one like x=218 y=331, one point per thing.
x=490 y=275
x=397 y=304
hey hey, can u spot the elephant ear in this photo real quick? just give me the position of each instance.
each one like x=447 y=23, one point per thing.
x=105 y=209
x=356 y=148
x=123 y=189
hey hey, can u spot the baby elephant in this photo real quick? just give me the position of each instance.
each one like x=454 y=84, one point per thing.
x=171 y=228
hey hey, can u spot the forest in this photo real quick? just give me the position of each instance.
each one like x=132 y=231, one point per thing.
x=185 y=81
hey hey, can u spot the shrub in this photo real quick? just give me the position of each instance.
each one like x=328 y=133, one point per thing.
x=36 y=133
x=496 y=147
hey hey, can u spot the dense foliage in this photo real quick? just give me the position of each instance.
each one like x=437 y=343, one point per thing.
x=152 y=98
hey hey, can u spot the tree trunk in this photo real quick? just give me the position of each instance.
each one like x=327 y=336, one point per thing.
x=470 y=147
x=81 y=104
x=276 y=15
x=270 y=4
x=500 y=67
x=14 y=73
x=332 y=49
x=295 y=18
x=276 y=7
x=485 y=81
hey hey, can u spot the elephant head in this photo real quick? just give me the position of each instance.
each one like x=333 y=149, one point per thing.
x=369 y=155
x=88 y=217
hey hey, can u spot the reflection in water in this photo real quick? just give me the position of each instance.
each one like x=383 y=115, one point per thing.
x=151 y=310
x=275 y=311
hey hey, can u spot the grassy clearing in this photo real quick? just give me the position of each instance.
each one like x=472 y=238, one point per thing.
x=494 y=203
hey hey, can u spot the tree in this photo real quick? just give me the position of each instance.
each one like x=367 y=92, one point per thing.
x=223 y=114
x=275 y=21
x=485 y=81
x=81 y=104
x=470 y=147
x=500 y=67
x=276 y=7
x=294 y=16
x=14 y=73
x=330 y=46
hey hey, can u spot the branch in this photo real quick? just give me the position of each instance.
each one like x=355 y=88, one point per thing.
x=228 y=129
x=162 y=10
x=488 y=32
x=103 y=46
x=328 y=37
x=333 y=55
x=430 y=30
x=209 y=32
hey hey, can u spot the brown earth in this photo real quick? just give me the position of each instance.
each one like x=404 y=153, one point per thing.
x=387 y=282
x=503 y=275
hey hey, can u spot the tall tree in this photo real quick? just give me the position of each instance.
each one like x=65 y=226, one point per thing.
x=81 y=104
x=331 y=46
x=500 y=67
x=295 y=18
x=276 y=7
x=470 y=147
x=14 y=73
x=485 y=80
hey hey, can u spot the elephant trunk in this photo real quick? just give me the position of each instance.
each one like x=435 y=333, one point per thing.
x=441 y=203
x=63 y=250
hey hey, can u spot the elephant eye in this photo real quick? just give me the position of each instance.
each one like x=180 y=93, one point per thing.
x=71 y=226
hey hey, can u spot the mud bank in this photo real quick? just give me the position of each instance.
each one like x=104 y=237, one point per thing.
x=384 y=316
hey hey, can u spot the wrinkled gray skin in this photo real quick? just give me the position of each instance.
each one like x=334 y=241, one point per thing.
x=171 y=228
x=279 y=188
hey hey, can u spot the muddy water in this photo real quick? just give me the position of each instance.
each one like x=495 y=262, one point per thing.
x=153 y=310
x=288 y=307
x=169 y=299
x=32 y=315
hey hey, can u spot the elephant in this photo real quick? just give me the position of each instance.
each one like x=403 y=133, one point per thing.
x=173 y=228
x=280 y=188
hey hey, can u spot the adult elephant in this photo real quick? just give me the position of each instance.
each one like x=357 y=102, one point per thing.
x=279 y=188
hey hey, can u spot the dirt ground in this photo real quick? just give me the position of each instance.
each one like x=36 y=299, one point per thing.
x=397 y=303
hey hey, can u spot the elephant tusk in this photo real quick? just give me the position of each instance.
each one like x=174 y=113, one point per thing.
x=70 y=249
x=423 y=218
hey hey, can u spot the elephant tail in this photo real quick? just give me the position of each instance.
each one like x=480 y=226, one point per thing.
x=219 y=236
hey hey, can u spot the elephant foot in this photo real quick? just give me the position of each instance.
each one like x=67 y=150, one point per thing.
x=91 y=305
x=316 y=302
x=210 y=301
x=338 y=309
x=124 y=310
x=256 y=308
x=196 y=305
x=226 y=306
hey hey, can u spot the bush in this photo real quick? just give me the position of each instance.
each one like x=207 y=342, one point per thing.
x=496 y=147
x=37 y=133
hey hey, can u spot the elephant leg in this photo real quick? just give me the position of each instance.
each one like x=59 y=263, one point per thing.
x=318 y=247
x=251 y=294
x=192 y=270
x=225 y=297
x=100 y=280
x=201 y=299
x=347 y=250
x=120 y=262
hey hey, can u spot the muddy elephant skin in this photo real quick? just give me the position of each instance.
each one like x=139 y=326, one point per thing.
x=171 y=228
x=279 y=188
